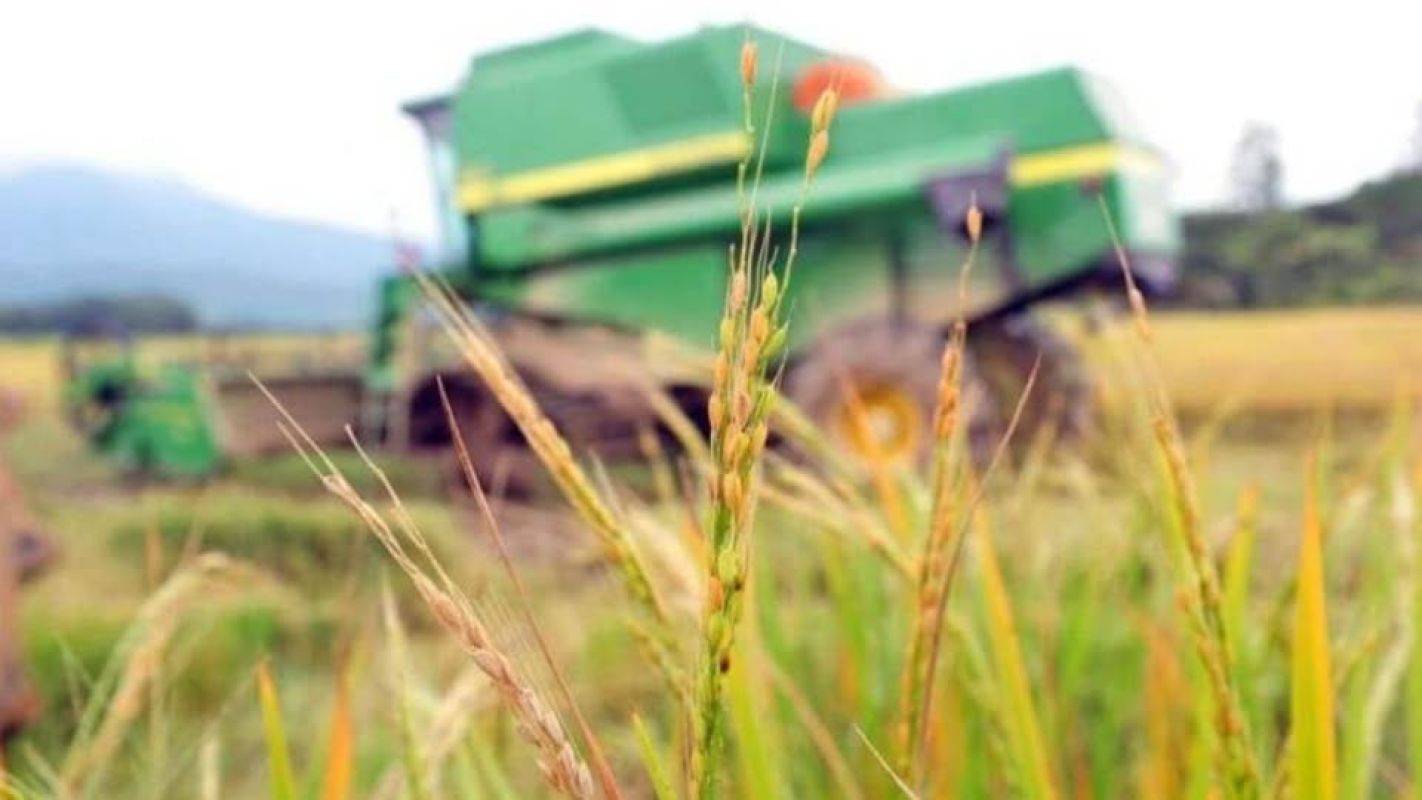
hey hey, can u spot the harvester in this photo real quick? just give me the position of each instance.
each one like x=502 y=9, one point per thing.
x=587 y=191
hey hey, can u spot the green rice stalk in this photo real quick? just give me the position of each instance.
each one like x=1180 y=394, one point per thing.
x=657 y=772
x=282 y=779
x=750 y=339
x=1202 y=599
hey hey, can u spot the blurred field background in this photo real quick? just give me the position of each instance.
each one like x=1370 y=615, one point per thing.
x=1287 y=360
x=315 y=607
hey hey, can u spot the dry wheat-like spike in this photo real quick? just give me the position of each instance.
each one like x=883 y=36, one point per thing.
x=975 y=223
x=447 y=728
x=935 y=564
x=142 y=648
x=748 y=63
x=819 y=148
x=825 y=106
x=558 y=762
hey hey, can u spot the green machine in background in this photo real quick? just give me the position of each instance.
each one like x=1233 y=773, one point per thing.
x=586 y=187
x=590 y=181
x=159 y=423
x=187 y=417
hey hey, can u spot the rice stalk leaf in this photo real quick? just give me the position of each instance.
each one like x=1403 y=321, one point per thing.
x=1239 y=564
x=1020 y=723
x=754 y=725
x=283 y=780
x=1313 y=752
x=1414 y=669
x=336 y=780
x=657 y=772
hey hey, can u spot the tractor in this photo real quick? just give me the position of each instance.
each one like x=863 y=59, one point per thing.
x=587 y=190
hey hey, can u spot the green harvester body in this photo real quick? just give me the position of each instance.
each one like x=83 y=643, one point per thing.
x=592 y=179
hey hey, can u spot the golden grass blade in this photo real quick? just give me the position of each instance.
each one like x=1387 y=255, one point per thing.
x=340 y=752
x=1165 y=690
x=482 y=356
x=1313 y=757
x=1021 y=724
x=281 y=778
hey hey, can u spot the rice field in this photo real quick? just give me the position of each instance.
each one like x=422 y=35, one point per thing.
x=1298 y=361
x=1167 y=612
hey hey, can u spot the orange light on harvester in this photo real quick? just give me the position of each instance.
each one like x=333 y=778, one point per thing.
x=855 y=81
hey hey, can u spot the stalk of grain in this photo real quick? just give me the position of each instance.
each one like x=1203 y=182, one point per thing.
x=558 y=761
x=118 y=698
x=1201 y=597
x=933 y=564
x=1024 y=735
x=750 y=338
x=482 y=355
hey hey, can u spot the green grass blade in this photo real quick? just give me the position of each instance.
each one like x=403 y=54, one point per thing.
x=753 y=721
x=662 y=785
x=1021 y=722
x=283 y=780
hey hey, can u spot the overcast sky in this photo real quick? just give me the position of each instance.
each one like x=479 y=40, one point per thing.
x=291 y=107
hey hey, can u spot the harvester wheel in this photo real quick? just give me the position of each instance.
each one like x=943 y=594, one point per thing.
x=1062 y=402
x=872 y=385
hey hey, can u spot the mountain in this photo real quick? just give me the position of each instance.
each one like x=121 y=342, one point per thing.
x=67 y=231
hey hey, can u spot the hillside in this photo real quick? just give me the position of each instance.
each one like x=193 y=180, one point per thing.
x=1363 y=248
x=68 y=231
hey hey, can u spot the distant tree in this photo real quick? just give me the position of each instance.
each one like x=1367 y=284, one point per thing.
x=1257 y=173
x=101 y=316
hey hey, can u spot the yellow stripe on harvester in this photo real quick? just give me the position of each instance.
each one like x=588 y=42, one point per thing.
x=477 y=193
x=1083 y=161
